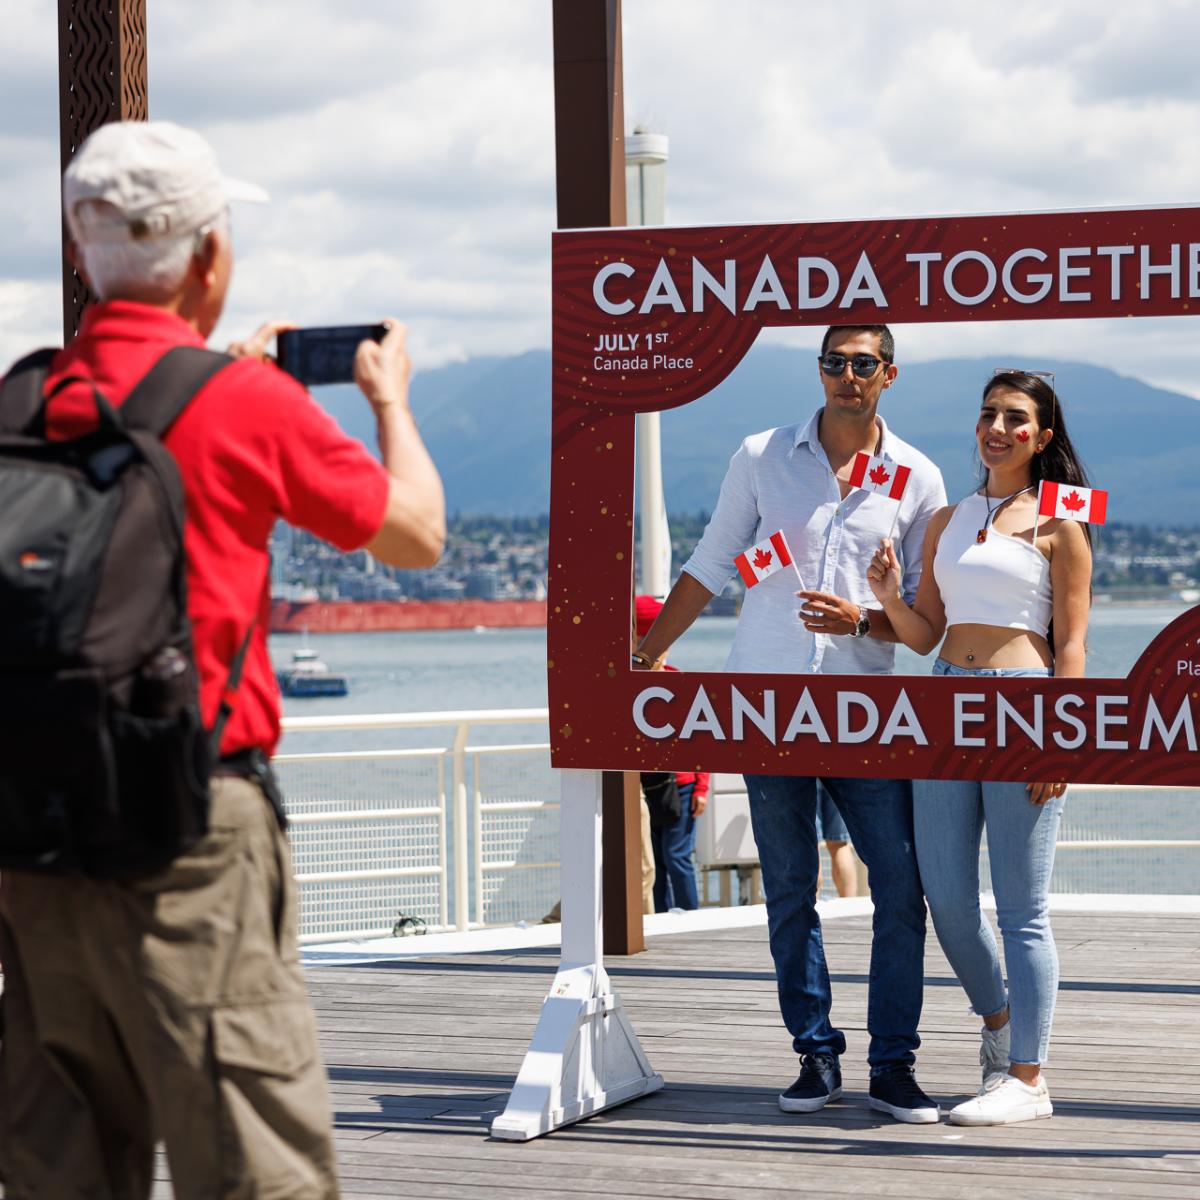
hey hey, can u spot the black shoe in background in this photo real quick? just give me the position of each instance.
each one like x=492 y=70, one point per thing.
x=819 y=1082
x=894 y=1090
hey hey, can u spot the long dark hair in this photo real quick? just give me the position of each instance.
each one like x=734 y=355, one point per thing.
x=1059 y=462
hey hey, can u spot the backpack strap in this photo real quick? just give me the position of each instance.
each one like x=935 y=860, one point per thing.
x=153 y=407
x=229 y=692
x=21 y=396
x=169 y=387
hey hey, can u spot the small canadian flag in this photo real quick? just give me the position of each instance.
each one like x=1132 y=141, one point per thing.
x=763 y=559
x=879 y=475
x=1072 y=503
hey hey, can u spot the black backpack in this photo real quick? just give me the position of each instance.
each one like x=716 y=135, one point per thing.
x=104 y=762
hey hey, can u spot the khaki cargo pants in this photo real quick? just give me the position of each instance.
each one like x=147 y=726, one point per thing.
x=169 y=1008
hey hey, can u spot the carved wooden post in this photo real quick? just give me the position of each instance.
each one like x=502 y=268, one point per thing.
x=101 y=78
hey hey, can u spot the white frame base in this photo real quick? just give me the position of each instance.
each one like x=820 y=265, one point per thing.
x=584 y=1056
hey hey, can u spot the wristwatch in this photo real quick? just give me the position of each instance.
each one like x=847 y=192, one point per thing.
x=863 y=625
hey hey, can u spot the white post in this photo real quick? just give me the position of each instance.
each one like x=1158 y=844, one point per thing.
x=443 y=851
x=477 y=858
x=652 y=509
x=646 y=201
x=584 y=1056
x=462 y=873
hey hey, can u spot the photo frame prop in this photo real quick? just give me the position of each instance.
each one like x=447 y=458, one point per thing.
x=651 y=319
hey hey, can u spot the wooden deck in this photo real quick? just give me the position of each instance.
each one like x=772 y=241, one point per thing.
x=421 y=1054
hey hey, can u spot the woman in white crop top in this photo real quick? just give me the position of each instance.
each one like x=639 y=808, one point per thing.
x=1010 y=593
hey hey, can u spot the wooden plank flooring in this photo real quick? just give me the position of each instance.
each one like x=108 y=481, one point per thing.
x=421 y=1054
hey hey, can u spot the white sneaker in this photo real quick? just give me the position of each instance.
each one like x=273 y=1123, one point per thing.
x=1004 y=1100
x=994 y=1051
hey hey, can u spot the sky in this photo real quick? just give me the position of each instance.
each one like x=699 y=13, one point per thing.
x=408 y=146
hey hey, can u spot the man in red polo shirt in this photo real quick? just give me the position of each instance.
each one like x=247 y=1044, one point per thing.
x=171 y=1007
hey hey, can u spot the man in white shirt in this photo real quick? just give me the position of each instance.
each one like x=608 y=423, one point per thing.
x=797 y=478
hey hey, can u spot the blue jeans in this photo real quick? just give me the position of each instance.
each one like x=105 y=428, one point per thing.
x=949 y=817
x=830 y=826
x=674 y=874
x=878 y=813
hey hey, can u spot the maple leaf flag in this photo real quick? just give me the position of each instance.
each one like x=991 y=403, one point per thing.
x=880 y=475
x=1073 y=503
x=763 y=559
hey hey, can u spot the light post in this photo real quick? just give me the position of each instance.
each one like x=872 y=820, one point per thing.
x=646 y=200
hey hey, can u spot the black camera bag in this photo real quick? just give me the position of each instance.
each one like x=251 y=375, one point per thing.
x=104 y=761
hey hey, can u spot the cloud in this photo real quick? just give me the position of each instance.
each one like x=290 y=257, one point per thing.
x=409 y=148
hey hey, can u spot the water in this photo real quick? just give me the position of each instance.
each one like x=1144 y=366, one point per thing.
x=448 y=670
x=442 y=670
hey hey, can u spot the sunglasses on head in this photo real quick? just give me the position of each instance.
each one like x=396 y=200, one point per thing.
x=1048 y=376
x=863 y=365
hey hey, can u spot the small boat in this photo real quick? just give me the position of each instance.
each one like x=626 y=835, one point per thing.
x=309 y=676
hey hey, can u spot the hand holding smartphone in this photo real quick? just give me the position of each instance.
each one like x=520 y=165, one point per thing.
x=326 y=354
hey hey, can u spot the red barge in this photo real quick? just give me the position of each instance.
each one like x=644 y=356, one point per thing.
x=355 y=616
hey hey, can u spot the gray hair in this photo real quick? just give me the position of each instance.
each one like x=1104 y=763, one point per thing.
x=151 y=270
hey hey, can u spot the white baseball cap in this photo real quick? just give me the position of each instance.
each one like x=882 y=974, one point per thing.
x=135 y=180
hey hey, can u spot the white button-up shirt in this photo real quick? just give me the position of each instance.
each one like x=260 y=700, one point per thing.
x=781 y=479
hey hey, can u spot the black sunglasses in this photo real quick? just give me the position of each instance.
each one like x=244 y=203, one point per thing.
x=863 y=365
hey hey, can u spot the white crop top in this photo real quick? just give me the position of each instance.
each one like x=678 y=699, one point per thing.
x=1001 y=581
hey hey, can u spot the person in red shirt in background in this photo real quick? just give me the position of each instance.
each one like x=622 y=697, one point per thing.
x=675 y=843
x=171 y=1007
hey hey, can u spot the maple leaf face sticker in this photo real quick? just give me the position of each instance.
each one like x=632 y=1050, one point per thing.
x=1074 y=502
x=762 y=559
x=879 y=475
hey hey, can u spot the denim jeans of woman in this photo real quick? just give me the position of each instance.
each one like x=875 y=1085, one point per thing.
x=674 y=872
x=949 y=815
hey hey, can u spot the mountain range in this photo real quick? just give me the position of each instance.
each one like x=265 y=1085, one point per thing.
x=487 y=424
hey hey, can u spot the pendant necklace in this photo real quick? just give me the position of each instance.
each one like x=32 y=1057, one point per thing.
x=981 y=536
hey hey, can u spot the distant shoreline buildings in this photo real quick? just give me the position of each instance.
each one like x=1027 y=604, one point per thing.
x=496 y=558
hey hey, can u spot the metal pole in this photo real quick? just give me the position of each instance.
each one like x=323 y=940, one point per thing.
x=462 y=870
x=655 y=559
x=477 y=859
x=101 y=78
x=645 y=178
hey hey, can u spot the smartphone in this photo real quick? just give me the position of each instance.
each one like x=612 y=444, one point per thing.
x=324 y=355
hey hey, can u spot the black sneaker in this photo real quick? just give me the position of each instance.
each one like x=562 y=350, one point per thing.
x=820 y=1081
x=895 y=1090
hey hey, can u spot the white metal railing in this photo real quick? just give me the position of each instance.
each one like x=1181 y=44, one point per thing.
x=463 y=835
x=417 y=854
x=485 y=808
